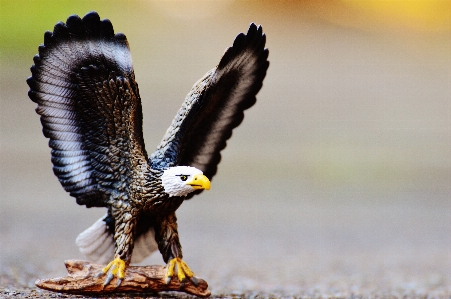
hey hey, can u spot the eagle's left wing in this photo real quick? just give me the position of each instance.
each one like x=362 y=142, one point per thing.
x=215 y=106
x=84 y=84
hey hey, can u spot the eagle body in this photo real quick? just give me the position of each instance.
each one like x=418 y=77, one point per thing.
x=84 y=85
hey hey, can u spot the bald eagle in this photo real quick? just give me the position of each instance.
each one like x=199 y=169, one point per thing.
x=84 y=86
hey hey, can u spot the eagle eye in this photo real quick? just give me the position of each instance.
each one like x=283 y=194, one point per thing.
x=183 y=177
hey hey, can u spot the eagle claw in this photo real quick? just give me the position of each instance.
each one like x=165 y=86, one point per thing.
x=114 y=268
x=177 y=267
x=195 y=281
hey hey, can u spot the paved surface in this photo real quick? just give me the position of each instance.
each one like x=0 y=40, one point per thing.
x=269 y=246
x=336 y=185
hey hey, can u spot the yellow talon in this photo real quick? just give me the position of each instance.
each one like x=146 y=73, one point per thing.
x=115 y=268
x=178 y=267
x=171 y=266
x=121 y=270
x=186 y=269
x=180 y=275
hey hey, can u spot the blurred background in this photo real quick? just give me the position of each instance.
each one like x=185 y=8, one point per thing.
x=337 y=183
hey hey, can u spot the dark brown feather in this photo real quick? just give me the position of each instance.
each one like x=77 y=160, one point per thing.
x=215 y=106
x=84 y=85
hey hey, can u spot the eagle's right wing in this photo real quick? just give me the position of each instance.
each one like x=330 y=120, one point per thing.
x=215 y=106
x=84 y=85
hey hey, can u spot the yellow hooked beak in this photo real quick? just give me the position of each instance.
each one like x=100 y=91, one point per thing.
x=199 y=181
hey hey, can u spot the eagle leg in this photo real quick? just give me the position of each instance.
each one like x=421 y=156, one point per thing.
x=124 y=225
x=168 y=242
x=115 y=268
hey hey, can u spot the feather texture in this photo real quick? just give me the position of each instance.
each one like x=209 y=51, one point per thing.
x=215 y=106
x=97 y=243
x=84 y=85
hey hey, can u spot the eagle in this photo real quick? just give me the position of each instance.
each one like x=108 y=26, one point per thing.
x=90 y=109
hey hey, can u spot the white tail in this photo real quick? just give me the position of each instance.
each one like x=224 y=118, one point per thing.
x=97 y=244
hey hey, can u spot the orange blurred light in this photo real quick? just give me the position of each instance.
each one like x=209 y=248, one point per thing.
x=189 y=9
x=423 y=15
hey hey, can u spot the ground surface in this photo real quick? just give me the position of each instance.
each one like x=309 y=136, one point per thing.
x=291 y=247
x=336 y=185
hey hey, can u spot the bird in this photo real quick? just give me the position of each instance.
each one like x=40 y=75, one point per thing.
x=83 y=83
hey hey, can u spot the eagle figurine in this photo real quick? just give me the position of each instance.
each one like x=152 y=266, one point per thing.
x=84 y=86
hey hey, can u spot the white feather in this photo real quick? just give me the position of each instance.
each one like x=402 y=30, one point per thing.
x=172 y=183
x=97 y=244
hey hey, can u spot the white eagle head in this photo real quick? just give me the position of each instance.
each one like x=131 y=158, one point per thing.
x=181 y=180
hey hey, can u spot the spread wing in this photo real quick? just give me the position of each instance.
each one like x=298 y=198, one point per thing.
x=84 y=85
x=215 y=106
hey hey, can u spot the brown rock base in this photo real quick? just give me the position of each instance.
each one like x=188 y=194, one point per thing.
x=148 y=279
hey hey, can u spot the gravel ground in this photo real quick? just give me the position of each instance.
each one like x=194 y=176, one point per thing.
x=304 y=248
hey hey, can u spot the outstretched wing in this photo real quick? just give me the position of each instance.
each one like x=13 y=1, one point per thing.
x=84 y=85
x=215 y=106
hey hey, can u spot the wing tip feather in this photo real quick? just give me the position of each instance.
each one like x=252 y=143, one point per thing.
x=246 y=58
x=91 y=19
x=253 y=40
x=88 y=27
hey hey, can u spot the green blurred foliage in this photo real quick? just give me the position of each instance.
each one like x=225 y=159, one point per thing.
x=23 y=22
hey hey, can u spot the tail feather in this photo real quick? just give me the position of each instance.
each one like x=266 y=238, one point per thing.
x=97 y=243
